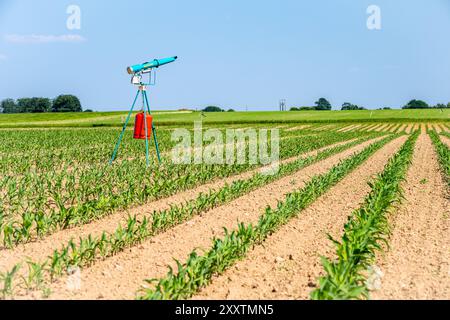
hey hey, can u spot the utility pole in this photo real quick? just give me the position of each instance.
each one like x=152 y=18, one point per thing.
x=283 y=105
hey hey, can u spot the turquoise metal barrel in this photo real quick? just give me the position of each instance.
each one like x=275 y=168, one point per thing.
x=150 y=65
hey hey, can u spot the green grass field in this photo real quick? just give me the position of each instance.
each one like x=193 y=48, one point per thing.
x=165 y=118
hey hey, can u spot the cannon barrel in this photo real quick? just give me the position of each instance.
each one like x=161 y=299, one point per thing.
x=150 y=65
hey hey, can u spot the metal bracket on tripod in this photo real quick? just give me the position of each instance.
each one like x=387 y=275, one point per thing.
x=136 y=79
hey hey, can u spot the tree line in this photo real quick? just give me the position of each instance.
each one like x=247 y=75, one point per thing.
x=324 y=104
x=62 y=103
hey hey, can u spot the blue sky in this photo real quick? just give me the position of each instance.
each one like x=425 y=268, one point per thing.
x=235 y=54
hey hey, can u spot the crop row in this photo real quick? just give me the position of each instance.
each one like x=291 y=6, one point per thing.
x=198 y=270
x=365 y=233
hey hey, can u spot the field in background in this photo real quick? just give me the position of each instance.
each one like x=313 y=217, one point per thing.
x=165 y=118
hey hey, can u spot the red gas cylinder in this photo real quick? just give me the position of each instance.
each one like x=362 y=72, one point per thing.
x=139 y=126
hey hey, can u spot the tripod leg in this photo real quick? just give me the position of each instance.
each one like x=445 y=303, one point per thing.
x=146 y=129
x=116 y=149
x=154 y=131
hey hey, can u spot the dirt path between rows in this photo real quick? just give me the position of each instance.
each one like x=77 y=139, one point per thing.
x=417 y=265
x=395 y=127
x=288 y=264
x=120 y=276
x=343 y=129
x=297 y=128
x=43 y=248
x=409 y=128
x=371 y=127
x=352 y=128
x=382 y=128
x=445 y=140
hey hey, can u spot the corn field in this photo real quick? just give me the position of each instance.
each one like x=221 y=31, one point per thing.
x=181 y=231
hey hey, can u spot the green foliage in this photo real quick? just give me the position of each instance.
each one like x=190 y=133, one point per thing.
x=212 y=109
x=303 y=109
x=8 y=106
x=322 y=104
x=7 y=281
x=348 y=106
x=66 y=103
x=33 y=105
x=364 y=233
x=416 y=104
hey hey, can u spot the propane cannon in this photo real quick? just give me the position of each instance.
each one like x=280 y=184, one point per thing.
x=144 y=127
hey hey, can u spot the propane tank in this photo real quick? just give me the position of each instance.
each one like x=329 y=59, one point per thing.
x=139 y=126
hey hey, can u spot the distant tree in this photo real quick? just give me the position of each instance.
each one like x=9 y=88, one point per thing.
x=440 y=106
x=66 y=103
x=88 y=110
x=212 y=109
x=349 y=106
x=448 y=105
x=307 y=108
x=33 y=105
x=38 y=105
x=8 y=106
x=416 y=104
x=294 y=109
x=231 y=110
x=323 y=104
x=387 y=108
x=23 y=105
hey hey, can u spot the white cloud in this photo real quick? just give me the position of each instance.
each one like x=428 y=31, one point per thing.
x=37 y=39
x=3 y=57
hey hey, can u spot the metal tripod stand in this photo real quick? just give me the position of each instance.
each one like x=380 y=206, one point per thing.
x=142 y=90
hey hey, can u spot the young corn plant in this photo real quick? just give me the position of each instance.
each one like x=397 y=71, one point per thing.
x=365 y=233
x=34 y=280
x=7 y=279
